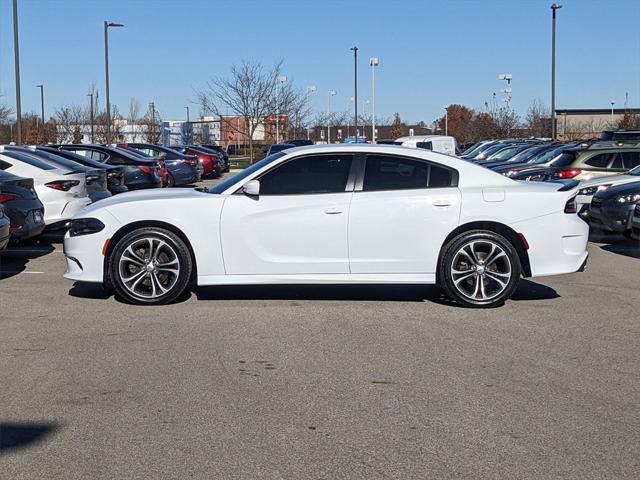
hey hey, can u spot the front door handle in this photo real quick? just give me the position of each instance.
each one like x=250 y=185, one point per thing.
x=333 y=211
x=442 y=203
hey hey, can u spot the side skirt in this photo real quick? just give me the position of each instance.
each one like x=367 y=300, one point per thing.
x=338 y=278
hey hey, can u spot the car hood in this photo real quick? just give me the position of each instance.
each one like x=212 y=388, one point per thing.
x=147 y=195
x=619 y=190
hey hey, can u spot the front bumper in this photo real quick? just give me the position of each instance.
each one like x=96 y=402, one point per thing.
x=611 y=216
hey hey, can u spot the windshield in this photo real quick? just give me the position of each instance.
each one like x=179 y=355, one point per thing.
x=527 y=154
x=222 y=186
x=505 y=153
x=547 y=156
x=491 y=150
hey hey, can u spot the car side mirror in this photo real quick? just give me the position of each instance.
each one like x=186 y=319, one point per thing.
x=251 y=188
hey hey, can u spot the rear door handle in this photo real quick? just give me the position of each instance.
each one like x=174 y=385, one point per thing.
x=333 y=211
x=442 y=203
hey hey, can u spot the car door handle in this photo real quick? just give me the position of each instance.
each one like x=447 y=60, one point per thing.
x=442 y=203
x=332 y=211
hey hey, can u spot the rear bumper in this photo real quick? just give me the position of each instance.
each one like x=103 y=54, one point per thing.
x=4 y=235
x=183 y=174
x=96 y=195
x=56 y=213
x=557 y=243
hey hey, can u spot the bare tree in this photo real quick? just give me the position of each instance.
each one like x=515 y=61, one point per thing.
x=505 y=120
x=538 y=120
x=69 y=119
x=153 y=121
x=248 y=92
x=133 y=117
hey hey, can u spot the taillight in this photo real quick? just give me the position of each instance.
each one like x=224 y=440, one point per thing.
x=63 y=185
x=7 y=197
x=570 y=173
x=145 y=169
x=571 y=206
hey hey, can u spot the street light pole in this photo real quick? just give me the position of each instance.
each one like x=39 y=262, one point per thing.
x=446 y=120
x=280 y=79
x=41 y=87
x=554 y=128
x=373 y=61
x=16 y=51
x=90 y=95
x=613 y=102
x=108 y=24
x=310 y=90
x=355 y=88
x=187 y=129
x=331 y=94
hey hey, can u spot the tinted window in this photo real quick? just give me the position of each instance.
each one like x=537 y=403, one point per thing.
x=617 y=162
x=600 y=161
x=425 y=145
x=385 y=172
x=564 y=160
x=33 y=161
x=630 y=159
x=310 y=174
x=232 y=180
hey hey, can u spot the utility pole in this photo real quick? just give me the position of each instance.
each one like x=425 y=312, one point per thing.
x=331 y=94
x=355 y=87
x=554 y=129
x=152 y=106
x=90 y=95
x=16 y=51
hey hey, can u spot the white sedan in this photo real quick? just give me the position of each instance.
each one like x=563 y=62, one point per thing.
x=589 y=188
x=334 y=214
x=62 y=192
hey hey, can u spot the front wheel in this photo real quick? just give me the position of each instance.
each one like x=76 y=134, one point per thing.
x=479 y=269
x=150 y=266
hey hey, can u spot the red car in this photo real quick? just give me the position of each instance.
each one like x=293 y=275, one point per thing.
x=212 y=163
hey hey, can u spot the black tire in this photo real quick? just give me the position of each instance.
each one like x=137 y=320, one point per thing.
x=474 y=283
x=148 y=261
x=171 y=182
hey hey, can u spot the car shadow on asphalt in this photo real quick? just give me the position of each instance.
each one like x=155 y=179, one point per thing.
x=15 y=259
x=527 y=290
x=615 y=243
x=15 y=435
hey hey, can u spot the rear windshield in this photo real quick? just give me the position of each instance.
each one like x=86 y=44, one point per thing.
x=31 y=160
x=564 y=160
x=58 y=161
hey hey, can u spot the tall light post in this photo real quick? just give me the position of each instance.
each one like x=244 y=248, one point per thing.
x=331 y=93
x=507 y=77
x=446 y=120
x=90 y=95
x=108 y=24
x=41 y=87
x=355 y=88
x=16 y=52
x=613 y=102
x=187 y=129
x=373 y=62
x=279 y=80
x=554 y=128
x=310 y=90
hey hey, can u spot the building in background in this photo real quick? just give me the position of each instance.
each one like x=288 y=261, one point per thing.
x=575 y=124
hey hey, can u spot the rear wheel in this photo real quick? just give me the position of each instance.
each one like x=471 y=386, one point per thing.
x=150 y=266
x=479 y=269
x=171 y=182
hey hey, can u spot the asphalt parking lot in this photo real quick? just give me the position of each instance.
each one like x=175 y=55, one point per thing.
x=320 y=381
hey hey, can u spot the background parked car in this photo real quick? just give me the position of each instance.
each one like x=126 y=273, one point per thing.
x=182 y=169
x=635 y=223
x=115 y=175
x=599 y=159
x=621 y=135
x=5 y=233
x=62 y=192
x=223 y=152
x=139 y=173
x=212 y=161
x=590 y=187
x=278 y=147
x=612 y=209
x=96 y=178
x=21 y=206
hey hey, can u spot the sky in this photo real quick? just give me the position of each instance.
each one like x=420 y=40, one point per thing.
x=432 y=52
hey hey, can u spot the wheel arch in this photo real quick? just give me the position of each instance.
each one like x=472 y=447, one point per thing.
x=500 y=228
x=130 y=227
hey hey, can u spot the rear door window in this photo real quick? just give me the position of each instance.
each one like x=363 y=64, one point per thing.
x=630 y=160
x=602 y=160
x=387 y=172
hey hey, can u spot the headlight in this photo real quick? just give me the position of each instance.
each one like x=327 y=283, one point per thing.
x=593 y=190
x=85 y=226
x=630 y=198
